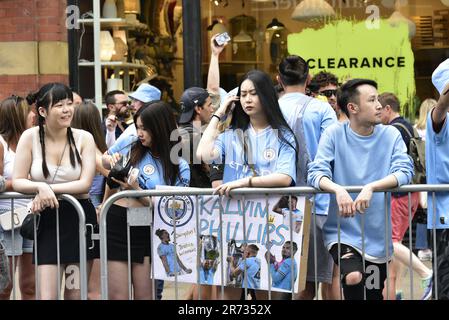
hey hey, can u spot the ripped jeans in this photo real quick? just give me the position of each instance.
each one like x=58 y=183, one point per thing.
x=371 y=279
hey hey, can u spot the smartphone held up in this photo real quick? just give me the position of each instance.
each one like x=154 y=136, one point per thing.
x=222 y=39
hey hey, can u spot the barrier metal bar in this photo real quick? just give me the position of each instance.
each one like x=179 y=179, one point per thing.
x=435 y=249
x=410 y=243
x=386 y=205
x=198 y=260
x=221 y=248
x=82 y=241
x=58 y=255
x=362 y=218
x=315 y=258
x=129 y=271
x=292 y=256
x=245 y=241
x=175 y=245
x=246 y=191
x=269 y=247
x=13 y=278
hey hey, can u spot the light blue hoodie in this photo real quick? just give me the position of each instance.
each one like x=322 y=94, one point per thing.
x=349 y=159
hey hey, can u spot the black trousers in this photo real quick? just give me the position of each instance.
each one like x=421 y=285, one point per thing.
x=442 y=253
x=373 y=276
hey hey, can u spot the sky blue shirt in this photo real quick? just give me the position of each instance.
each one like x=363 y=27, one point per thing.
x=207 y=276
x=297 y=215
x=151 y=173
x=168 y=250
x=253 y=272
x=282 y=276
x=265 y=150
x=318 y=116
x=349 y=159
x=437 y=172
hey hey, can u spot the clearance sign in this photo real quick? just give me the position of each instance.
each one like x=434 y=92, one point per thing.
x=351 y=50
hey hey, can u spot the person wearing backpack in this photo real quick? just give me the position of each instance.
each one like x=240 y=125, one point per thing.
x=309 y=117
x=399 y=201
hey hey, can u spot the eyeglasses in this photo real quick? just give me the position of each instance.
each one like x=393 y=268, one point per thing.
x=122 y=103
x=328 y=93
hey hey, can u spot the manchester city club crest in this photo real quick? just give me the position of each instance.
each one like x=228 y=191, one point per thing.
x=148 y=169
x=269 y=154
x=178 y=208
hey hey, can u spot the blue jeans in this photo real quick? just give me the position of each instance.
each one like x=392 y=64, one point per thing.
x=159 y=289
x=421 y=236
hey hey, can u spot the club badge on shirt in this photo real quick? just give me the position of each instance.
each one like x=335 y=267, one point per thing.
x=269 y=154
x=148 y=169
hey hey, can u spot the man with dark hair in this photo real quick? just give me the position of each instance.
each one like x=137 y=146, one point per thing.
x=360 y=152
x=250 y=265
x=399 y=204
x=309 y=117
x=118 y=114
x=326 y=84
x=196 y=106
x=281 y=272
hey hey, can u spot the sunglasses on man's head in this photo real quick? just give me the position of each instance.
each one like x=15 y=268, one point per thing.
x=328 y=93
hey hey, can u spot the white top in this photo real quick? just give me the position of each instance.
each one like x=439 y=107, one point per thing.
x=66 y=172
x=8 y=168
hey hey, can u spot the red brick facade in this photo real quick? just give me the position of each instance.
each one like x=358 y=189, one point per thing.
x=31 y=20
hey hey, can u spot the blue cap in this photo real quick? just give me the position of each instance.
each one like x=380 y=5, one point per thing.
x=146 y=93
x=440 y=77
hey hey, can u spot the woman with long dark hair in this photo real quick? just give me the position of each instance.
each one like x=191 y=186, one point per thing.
x=150 y=153
x=87 y=117
x=53 y=159
x=16 y=115
x=259 y=149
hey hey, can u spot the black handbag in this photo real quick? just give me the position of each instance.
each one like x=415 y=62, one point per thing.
x=119 y=171
x=27 y=228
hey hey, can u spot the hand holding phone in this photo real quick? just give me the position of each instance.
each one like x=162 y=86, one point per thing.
x=222 y=39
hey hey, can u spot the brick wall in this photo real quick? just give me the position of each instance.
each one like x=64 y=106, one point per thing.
x=30 y=20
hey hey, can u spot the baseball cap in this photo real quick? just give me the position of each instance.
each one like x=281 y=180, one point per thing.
x=190 y=98
x=440 y=77
x=146 y=93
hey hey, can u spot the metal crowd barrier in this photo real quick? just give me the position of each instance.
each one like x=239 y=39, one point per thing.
x=82 y=244
x=293 y=191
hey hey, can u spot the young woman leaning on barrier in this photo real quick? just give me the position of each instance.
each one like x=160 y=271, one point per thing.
x=149 y=152
x=53 y=159
x=16 y=115
x=259 y=149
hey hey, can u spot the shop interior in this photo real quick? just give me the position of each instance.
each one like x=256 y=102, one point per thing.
x=142 y=41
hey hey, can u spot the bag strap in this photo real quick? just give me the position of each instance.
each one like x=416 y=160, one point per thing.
x=60 y=161
x=396 y=124
x=304 y=107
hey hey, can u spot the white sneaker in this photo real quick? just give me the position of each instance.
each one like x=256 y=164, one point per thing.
x=425 y=255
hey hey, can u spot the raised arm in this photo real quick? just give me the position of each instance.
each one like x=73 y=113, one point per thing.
x=439 y=112
x=206 y=148
x=213 y=77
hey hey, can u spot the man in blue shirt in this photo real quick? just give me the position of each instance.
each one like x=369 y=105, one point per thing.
x=281 y=272
x=437 y=172
x=309 y=117
x=360 y=152
x=250 y=266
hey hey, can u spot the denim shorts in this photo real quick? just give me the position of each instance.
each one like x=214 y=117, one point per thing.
x=21 y=245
